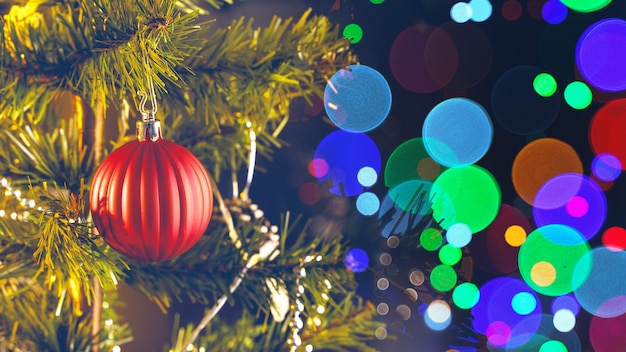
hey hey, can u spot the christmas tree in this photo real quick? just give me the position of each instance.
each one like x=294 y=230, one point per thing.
x=74 y=77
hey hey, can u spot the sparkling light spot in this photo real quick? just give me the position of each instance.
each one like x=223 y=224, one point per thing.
x=466 y=295
x=438 y=311
x=606 y=167
x=523 y=303
x=544 y=84
x=564 y=320
x=577 y=206
x=614 y=238
x=543 y=274
x=367 y=203
x=481 y=10
x=431 y=239
x=578 y=95
x=443 y=278
x=353 y=32
x=449 y=255
x=367 y=176
x=357 y=260
x=361 y=97
x=515 y=235
x=459 y=235
x=498 y=333
x=461 y=12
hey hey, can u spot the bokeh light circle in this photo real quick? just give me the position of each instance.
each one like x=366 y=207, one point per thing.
x=567 y=302
x=574 y=200
x=423 y=58
x=600 y=54
x=545 y=84
x=357 y=98
x=431 y=239
x=438 y=315
x=607 y=132
x=465 y=295
x=614 y=238
x=459 y=235
x=564 y=320
x=410 y=161
x=449 y=255
x=367 y=203
x=517 y=107
x=512 y=10
x=443 y=278
x=600 y=289
x=606 y=167
x=344 y=154
x=515 y=235
x=461 y=12
x=481 y=10
x=318 y=168
x=465 y=194
x=586 y=5
x=554 y=11
x=309 y=193
x=550 y=257
x=524 y=303
x=457 y=131
x=538 y=162
x=353 y=32
x=356 y=260
x=578 y=95
x=367 y=176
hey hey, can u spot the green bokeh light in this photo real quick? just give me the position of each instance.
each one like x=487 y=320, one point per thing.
x=465 y=194
x=431 y=239
x=544 y=84
x=466 y=295
x=553 y=346
x=377 y=2
x=354 y=32
x=578 y=95
x=443 y=278
x=449 y=255
x=407 y=162
x=560 y=248
x=585 y=5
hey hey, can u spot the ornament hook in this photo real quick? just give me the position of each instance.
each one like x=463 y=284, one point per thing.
x=148 y=114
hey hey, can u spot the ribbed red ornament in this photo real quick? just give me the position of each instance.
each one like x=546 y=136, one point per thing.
x=151 y=199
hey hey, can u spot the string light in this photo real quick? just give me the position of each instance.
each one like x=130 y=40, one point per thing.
x=313 y=321
x=17 y=195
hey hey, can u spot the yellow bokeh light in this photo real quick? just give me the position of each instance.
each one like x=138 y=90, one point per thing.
x=515 y=235
x=543 y=274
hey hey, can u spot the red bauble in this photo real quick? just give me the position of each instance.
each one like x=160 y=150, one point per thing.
x=151 y=199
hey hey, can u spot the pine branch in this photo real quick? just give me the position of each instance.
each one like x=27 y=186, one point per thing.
x=27 y=324
x=95 y=49
x=34 y=155
x=66 y=251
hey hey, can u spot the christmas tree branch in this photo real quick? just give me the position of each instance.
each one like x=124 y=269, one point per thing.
x=66 y=252
x=93 y=49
